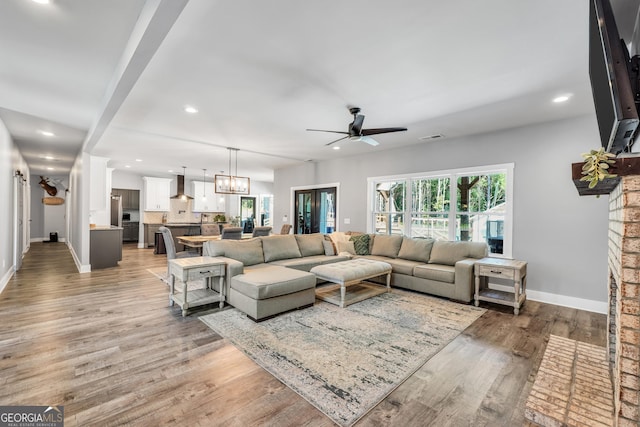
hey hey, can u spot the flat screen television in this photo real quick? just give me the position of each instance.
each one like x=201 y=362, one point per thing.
x=609 y=71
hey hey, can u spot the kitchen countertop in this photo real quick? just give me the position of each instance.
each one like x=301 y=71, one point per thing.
x=106 y=227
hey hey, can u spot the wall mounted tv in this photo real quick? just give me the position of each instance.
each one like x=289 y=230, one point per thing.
x=614 y=80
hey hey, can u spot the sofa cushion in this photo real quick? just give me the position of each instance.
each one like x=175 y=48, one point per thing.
x=213 y=248
x=310 y=244
x=280 y=247
x=415 y=249
x=440 y=273
x=248 y=252
x=386 y=245
x=360 y=244
x=448 y=253
x=269 y=281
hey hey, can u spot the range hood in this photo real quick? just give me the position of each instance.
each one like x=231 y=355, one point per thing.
x=181 y=194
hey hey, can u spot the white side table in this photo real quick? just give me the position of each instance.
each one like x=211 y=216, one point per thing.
x=503 y=269
x=187 y=269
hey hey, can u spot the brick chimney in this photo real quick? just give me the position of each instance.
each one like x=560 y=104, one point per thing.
x=624 y=299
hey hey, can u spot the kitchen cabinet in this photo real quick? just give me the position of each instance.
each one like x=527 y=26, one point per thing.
x=157 y=192
x=130 y=231
x=105 y=247
x=150 y=231
x=214 y=202
x=130 y=198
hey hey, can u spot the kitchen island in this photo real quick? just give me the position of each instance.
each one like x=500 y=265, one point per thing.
x=105 y=248
x=177 y=230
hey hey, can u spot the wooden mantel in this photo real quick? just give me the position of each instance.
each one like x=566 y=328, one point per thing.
x=623 y=166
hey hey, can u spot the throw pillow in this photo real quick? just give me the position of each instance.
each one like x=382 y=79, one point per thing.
x=346 y=247
x=329 y=249
x=361 y=244
x=416 y=249
x=386 y=245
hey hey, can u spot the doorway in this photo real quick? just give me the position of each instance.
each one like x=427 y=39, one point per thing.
x=315 y=210
x=247 y=213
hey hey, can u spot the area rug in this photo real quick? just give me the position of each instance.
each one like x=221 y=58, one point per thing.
x=344 y=361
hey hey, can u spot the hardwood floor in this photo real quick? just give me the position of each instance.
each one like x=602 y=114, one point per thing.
x=107 y=346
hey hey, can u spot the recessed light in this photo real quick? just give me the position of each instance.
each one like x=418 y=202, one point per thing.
x=170 y=171
x=49 y=157
x=41 y=1
x=49 y=169
x=127 y=166
x=561 y=98
x=46 y=133
x=336 y=148
x=138 y=160
x=190 y=109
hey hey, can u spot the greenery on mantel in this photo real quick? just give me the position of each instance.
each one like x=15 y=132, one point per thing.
x=596 y=166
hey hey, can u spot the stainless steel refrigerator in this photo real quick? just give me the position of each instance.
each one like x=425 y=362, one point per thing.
x=116 y=211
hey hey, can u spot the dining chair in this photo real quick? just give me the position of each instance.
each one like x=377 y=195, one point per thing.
x=261 y=231
x=286 y=228
x=171 y=249
x=234 y=233
x=210 y=230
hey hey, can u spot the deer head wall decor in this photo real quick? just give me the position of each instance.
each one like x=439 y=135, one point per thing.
x=50 y=189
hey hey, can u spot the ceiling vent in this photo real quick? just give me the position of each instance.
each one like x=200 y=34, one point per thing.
x=431 y=137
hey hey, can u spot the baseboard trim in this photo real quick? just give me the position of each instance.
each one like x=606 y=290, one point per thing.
x=5 y=279
x=81 y=268
x=561 y=300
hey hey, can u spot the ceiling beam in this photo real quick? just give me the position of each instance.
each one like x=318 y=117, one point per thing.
x=155 y=21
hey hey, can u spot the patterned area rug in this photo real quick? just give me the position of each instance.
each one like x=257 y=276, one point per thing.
x=345 y=361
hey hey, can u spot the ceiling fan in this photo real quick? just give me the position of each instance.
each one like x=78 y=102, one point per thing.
x=355 y=131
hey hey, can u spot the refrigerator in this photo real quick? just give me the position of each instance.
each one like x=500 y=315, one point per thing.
x=116 y=211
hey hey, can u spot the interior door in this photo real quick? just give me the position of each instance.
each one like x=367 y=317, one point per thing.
x=18 y=245
x=315 y=210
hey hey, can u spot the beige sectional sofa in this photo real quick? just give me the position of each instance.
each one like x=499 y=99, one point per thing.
x=435 y=267
x=269 y=275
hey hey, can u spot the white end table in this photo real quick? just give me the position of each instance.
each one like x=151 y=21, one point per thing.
x=187 y=269
x=504 y=269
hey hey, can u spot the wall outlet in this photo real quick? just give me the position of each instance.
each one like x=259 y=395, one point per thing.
x=347 y=220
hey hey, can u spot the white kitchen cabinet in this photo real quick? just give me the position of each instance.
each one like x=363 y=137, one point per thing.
x=157 y=193
x=213 y=203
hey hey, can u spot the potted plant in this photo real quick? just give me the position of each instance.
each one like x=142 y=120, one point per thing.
x=596 y=166
x=220 y=218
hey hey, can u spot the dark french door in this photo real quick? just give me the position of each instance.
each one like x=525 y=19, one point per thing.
x=315 y=211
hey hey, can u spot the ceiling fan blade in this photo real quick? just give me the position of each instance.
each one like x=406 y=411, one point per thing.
x=356 y=126
x=368 y=140
x=381 y=130
x=339 y=139
x=331 y=131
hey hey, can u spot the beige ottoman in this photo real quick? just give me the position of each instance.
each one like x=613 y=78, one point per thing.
x=264 y=291
x=347 y=273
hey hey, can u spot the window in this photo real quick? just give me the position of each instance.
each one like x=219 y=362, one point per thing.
x=464 y=204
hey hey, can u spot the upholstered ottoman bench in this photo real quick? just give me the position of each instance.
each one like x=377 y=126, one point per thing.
x=352 y=272
x=264 y=291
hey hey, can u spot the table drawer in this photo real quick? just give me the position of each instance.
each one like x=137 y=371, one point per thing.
x=492 y=271
x=208 y=271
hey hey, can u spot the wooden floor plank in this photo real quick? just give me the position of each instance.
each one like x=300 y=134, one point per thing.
x=106 y=345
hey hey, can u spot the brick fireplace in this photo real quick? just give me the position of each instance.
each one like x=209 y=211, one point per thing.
x=624 y=299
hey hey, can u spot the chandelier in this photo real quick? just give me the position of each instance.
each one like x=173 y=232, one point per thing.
x=232 y=184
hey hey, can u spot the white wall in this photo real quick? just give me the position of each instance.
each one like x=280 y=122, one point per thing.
x=10 y=161
x=561 y=235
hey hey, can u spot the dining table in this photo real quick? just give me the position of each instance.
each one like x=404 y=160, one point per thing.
x=198 y=241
